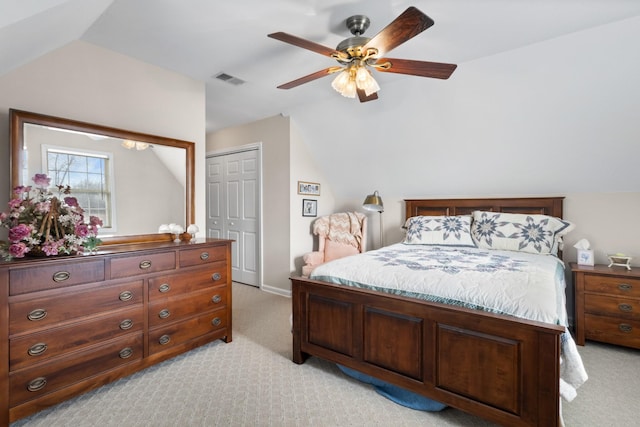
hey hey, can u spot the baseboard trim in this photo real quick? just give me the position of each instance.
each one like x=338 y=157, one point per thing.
x=277 y=291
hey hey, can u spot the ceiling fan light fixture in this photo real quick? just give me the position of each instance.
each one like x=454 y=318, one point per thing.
x=365 y=81
x=345 y=84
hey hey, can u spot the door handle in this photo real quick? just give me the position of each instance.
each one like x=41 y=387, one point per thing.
x=232 y=223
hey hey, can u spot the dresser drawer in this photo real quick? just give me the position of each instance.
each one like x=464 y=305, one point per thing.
x=181 y=306
x=613 y=330
x=55 y=275
x=178 y=284
x=622 y=286
x=35 y=348
x=142 y=264
x=167 y=336
x=38 y=313
x=612 y=306
x=201 y=256
x=27 y=384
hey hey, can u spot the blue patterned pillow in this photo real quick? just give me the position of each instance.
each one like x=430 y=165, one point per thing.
x=538 y=234
x=439 y=230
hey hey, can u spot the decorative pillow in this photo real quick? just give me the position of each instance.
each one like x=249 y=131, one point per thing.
x=439 y=230
x=538 y=234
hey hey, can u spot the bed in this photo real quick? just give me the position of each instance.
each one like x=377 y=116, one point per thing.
x=500 y=367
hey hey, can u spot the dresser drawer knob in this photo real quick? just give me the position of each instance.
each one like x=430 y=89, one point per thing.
x=216 y=299
x=164 y=313
x=625 y=287
x=145 y=264
x=204 y=256
x=164 y=339
x=125 y=353
x=625 y=327
x=37 y=384
x=216 y=276
x=61 y=276
x=126 y=324
x=164 y=288
x=37 y=349
x=216 y=321
x=625 y=307
x=125 y=295
x=37 y=314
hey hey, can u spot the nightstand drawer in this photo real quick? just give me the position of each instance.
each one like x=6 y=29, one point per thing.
x=613 y=330
x=612 y=306
x=623 y=286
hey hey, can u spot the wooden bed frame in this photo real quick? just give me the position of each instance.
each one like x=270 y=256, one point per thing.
x=500 y=368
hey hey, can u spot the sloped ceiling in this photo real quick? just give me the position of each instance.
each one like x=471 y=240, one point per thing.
x=201 y=38
x=546 y=91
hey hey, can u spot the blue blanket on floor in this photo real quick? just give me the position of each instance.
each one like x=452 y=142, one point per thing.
x=397 y=394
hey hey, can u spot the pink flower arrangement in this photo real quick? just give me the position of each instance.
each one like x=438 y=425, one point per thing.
x=38 y=221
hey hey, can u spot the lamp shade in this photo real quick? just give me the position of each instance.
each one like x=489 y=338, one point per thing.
x=373 y=202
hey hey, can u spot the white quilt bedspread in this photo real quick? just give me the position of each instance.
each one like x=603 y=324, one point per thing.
x=524 y=285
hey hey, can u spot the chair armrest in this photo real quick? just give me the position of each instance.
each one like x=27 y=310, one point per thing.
x=313 y=258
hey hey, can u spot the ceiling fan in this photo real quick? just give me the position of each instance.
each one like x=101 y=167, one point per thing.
x=357 y=55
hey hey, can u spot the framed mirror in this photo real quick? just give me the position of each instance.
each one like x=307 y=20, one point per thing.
x=133 y=181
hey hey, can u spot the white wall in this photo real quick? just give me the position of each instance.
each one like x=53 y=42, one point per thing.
x=81 y=81
x=274 y=134
x=304 y=168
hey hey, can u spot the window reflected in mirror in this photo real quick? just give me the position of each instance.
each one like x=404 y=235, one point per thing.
x=132 y=184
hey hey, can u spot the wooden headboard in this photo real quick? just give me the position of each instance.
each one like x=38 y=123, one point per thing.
x=526 y=205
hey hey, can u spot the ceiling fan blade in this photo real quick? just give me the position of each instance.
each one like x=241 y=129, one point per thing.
x=309 y=78
x=305 y=44
x=436 y=70
x=363 y=96
x=406 y=26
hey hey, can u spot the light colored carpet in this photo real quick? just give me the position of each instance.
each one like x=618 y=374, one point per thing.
x=253 y=382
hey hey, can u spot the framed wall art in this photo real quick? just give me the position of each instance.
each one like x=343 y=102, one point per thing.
x=309 y=207
x=308 y=188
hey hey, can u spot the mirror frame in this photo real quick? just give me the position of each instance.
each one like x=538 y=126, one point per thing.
x=19 y=118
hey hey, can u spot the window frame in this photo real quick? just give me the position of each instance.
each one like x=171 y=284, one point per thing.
x=109 y=179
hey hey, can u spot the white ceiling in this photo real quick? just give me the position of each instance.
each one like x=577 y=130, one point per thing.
x=201 y=38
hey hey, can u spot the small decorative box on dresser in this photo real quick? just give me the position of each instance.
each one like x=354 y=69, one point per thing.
x=607 y=304
x=72 y=324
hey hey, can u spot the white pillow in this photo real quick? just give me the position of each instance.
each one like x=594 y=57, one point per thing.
x=539 y=234
x=439 y=230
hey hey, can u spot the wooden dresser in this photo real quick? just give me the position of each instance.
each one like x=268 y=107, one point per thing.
x=607 y=304
x=72 y=324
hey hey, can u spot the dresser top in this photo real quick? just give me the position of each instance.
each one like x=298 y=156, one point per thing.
x=122 y=249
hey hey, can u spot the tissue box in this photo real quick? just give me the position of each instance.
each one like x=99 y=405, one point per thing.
x=585 y=257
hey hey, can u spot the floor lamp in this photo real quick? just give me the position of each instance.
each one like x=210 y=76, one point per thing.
x=373 y=202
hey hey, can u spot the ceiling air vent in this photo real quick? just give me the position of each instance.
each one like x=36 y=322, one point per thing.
x=229 y=79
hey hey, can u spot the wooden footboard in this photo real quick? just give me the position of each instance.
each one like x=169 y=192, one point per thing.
x=499 y=368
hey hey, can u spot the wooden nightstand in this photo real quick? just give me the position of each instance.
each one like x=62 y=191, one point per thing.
x=607 y=304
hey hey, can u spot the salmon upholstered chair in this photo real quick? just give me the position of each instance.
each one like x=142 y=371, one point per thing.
x=339 y=235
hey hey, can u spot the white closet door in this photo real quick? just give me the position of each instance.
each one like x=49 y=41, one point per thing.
x=233 y=210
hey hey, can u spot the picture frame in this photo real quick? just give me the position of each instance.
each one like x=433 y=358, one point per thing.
x=308 y=188
x=309 y=207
